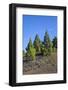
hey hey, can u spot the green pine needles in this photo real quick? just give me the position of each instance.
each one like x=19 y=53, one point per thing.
x=38 y=47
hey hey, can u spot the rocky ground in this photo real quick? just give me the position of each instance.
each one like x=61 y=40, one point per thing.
x=42 y=65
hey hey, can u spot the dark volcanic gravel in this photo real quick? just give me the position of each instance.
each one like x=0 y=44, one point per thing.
x=42 y=65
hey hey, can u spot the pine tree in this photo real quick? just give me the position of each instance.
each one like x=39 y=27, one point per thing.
x=31 y=50
x=43 y=49
x=54 y=42
x=29 y=44
x=37 y=43
x=47 y=43
x=46 y=40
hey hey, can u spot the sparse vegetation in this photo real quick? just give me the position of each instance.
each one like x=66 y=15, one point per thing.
x=38 y=47
x=40 y=54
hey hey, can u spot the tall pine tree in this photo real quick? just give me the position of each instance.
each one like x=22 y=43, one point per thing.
x=54 y=42
x=47 y=43
x=37 y=43
x=29 y=44
x=31 y=50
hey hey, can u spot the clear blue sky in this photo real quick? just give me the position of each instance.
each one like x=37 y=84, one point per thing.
x=33 y=25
